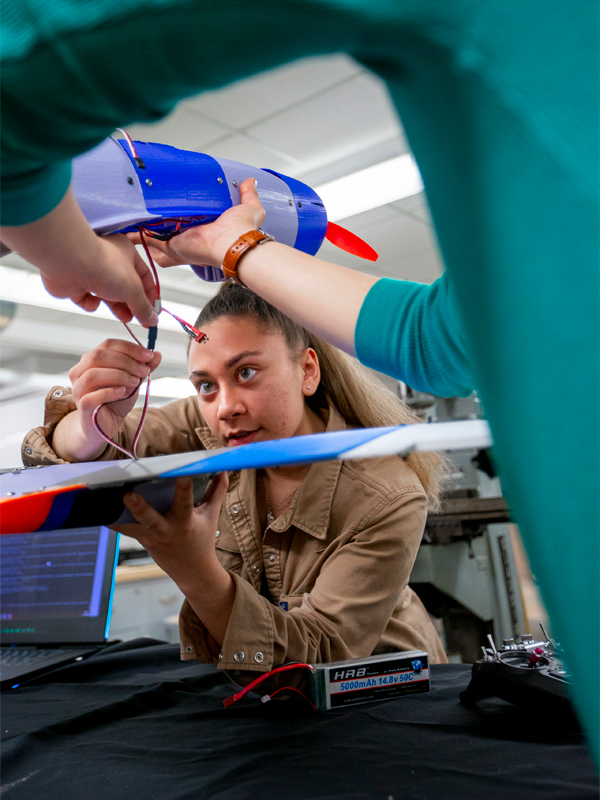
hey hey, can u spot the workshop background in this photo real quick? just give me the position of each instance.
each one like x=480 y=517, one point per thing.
x=318 y=120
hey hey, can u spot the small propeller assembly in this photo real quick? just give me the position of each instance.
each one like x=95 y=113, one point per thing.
x=349 y=242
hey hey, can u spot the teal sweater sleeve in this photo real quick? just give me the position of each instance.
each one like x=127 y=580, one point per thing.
x=413 y=332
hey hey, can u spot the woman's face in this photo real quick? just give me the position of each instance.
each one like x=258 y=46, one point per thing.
x=249 y=388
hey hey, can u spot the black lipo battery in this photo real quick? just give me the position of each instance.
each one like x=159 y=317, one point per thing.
x=363 y=680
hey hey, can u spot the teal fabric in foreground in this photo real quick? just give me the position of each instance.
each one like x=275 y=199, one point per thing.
x=499 y=101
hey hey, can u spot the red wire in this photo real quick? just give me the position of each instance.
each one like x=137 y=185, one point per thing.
x=151 y=260
x=138 y=432
x=106 y=437
x=199 y=336
x=291 y=689
x=234 y=698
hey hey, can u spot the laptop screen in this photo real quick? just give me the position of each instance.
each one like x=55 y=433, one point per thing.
x=56 y=587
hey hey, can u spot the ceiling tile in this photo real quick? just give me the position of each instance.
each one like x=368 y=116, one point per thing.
x=397 y=146
x=424 y=267
x=256 y=98
x=415 y=205
x=181 y=129
x=407 y=248
x=239 y=147
x=339 y=122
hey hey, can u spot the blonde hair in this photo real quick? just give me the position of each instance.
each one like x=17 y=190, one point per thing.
x=361 y=399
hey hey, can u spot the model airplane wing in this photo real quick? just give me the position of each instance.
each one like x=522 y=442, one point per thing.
x=81 y=495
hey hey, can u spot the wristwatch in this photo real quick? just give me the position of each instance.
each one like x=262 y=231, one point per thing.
x=238 y=249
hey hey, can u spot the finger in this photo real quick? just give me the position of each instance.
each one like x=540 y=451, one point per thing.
x=143 y=512
x=116 y=370
x=90 y=402
x=133 y=349
x=124 y=362
x=95 y=379
x=89 y=302
x=139 y=307
x=134 y=237
x=215 y=494
x=146 y=276
x=155 y=360
x=162 y=252
x=136 y=301
x=183 y=502
x=134 y=530
x=169 y=253
x=157 y=247
x=120 y=310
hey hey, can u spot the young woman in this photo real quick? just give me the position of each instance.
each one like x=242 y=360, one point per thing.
x=303 y=563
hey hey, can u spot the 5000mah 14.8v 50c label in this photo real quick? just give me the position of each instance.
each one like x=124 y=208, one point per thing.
x=375 y=681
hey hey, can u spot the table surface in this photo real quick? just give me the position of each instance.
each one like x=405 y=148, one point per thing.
x=134 y=722
x=126 y=573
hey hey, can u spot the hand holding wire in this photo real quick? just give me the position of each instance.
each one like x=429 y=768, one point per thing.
x=116 y=282
x=108 y=379
x=197 y=335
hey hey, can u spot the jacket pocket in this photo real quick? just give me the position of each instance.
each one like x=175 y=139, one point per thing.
x=229 y=557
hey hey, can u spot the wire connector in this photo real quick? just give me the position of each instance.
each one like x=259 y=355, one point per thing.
x=152 y=336
x=139 y=162
x=284 y=668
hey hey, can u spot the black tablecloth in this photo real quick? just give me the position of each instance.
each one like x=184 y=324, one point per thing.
x=135 y=722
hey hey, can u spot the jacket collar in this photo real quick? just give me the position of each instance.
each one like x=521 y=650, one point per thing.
x=311 y=508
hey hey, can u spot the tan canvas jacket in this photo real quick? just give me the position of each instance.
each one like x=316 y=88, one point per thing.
x=336 y=564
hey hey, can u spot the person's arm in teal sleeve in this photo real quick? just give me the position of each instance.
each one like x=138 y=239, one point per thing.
x=413 y=332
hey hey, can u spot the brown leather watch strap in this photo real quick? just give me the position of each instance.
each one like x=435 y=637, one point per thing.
x=238 y=249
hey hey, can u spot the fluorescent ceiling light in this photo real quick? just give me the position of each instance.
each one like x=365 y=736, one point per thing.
x=172 y=387
x=370 y=188
x=26 y=288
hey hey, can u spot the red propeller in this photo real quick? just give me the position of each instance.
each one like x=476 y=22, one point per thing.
x=349 y=242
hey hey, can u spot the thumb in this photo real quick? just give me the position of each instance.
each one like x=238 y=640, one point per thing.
x=215 y=494
x=249 y=194
x=141 y=309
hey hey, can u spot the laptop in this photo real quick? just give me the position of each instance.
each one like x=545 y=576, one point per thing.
x=56 y=594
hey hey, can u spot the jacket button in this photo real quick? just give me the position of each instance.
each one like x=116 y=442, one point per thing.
x=272 y=559
x=28 y=450
x=235 y=509
x=57 y=393
x=256 y=568
x=189 y=648
x=220 y=656
x=259 y=658
x=217 y=534
x=239 y=656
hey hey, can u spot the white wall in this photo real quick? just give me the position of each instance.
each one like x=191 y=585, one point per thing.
x=16 y=418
